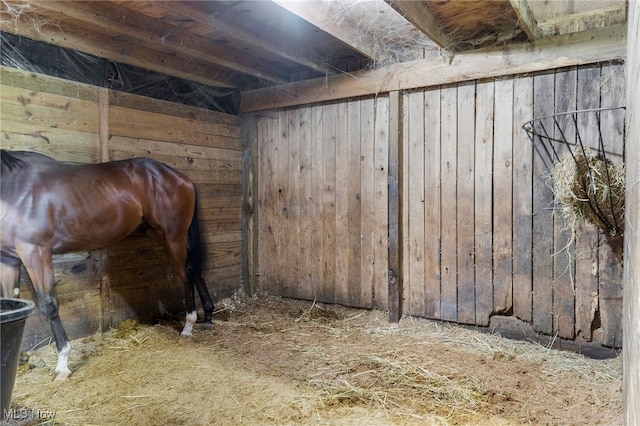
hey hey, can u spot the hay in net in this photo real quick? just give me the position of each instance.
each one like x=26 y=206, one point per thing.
x=589 y=188
x=582 y=152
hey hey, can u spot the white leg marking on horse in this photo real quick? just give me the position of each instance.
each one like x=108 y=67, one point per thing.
x=62 y=369
x=188 y=326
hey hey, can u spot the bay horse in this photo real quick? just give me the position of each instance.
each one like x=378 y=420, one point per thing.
x=50 y=207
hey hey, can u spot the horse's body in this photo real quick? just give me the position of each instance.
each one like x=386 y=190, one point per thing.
x=49 y=207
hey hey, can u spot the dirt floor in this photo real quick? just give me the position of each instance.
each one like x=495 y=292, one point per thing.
x=273 y=361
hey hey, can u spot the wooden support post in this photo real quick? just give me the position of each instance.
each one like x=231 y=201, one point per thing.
x=105 y=284
x=395 y=206
x=249 y=201
x=631 y=297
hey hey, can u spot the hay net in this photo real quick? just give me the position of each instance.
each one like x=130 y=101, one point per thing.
x=582 y=153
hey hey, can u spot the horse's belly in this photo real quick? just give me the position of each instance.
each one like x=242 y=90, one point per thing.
x=94 y=231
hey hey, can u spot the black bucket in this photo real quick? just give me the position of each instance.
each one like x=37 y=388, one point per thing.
x=13 y=316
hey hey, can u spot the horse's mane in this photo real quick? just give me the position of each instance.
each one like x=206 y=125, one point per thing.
x=8 y=161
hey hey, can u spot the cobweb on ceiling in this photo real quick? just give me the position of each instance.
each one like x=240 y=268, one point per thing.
x=394 y=39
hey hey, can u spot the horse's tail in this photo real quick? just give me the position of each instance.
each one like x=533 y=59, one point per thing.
x=196 y=256
x=195 y=247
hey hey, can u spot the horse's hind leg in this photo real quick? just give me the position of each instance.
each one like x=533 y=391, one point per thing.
x=192 y=315
x=207 y=303
x=38 y=263
x=177 y=250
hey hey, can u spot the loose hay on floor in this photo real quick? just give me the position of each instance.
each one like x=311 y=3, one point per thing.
x=280 y=361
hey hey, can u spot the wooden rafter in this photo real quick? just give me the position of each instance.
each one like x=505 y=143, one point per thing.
x=117 y=48
x=526 y=19
x=583 y=21
x=161 y=35
x=419 y=14
x=322 y=18
x=271 y=41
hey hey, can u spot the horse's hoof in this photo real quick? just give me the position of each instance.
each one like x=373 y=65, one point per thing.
x=186 y=337
x=61 y=376
x=207 y=325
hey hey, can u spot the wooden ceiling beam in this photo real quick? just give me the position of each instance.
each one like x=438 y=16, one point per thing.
x=98 y=44
x=160 y=35
x=526 y=20
x=271 y=42
x=555 y=52
x=419 y=14
x=322 y=18
x=583 y=21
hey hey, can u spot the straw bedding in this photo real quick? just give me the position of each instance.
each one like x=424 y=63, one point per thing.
x=278 y=361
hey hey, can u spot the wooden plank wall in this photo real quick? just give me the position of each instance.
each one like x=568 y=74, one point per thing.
x=322 y=202
x=85 y=124
x=488 y=241
x=480 y=235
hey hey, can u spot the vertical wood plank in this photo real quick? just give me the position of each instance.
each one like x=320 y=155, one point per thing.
x=465 y=195
x=394 y=170
x=415 y=201
x=522 y=199
x=587 y=239
x=381 y=211
x=293 y=254
x=316 y=240
x=367 y=166
x=484 y=201
x=328 y=201
x=281 y=198
x=249 y=210
x=563 y=247
x=266 y=227
x=610 y=274
x=612 y=95
x=406 y=237
x=342 y=205
x=354 y=210
x=306 y=205
x=502 y=197
x=448 y=176
x=542 y=266
x=432 y=196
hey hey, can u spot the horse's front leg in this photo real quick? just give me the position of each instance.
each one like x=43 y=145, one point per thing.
x=10 y=277
x=39 y=265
